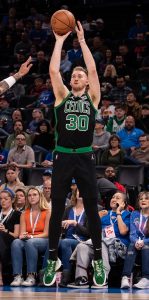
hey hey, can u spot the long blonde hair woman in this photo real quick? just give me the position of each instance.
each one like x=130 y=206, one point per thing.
x=33 y=238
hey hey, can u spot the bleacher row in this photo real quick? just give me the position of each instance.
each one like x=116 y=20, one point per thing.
x=128 y=175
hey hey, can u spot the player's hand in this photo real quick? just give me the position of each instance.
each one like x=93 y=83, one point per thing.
x=61 y=38
x=80 y=31
x=25 y=67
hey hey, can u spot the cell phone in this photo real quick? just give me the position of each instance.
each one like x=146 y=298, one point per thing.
x=117 y=204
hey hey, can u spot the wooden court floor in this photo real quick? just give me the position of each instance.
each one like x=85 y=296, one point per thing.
x=71 y=294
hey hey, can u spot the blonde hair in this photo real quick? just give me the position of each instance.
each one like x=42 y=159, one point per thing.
x=79 y=68
x=43 y=204
x=113 y=71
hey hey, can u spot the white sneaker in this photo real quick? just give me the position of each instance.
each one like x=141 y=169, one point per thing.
x=125 y=282
x=142 y=284
x=30 y=280
x=17 y=281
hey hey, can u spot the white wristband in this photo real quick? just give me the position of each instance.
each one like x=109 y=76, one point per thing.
x=10 y=81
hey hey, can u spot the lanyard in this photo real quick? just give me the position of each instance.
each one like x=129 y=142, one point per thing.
x=8 y=214
x=31 y=221
x=75 y=216
x=111 y=222
x=140 y=224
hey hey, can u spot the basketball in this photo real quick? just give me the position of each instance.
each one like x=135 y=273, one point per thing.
x=62 y=21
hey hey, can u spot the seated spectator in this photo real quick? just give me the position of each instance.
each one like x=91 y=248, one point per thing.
x=121 y=69
x=45 y=176
x=106 y=105
x=12 y=180
x=139 y=27
x=43 y=139
x=33 y=237
x=37 y=88
x=17 y=128
x=20 y=199
x=117 y=122
x=115 y=240
x=3 y=154
x=65 y=65
x=109 y=74
x=46 y=98
x=129 y=135
x=41 y=65
x=133 y=108
x=9 y=227
x=100 y=137
x=47 y=190
x=120 y=92
x=37 y=116
x=139 y=240
x=75 y=54
x=107 y=186
x=22 y=155
x=143 y=122
x=74 y=229
x=5 y=115
x=114 y=155
x=141 y=154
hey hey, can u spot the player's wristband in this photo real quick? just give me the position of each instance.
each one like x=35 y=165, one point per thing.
x=10 y=81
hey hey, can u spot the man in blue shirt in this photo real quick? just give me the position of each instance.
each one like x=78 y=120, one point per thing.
x=129 y=135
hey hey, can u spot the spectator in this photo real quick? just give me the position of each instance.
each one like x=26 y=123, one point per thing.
x=120 y=92
x=9 y=227
x=121 y=69
x=139 y=27
x=47 y=190
x=129 y=135
x=20 y=199
x=101 y=136
x=109 y=74
x=65 y=65
x=46 y=98
x=117 y=122
x=139 y=240
x=38 y=35
x=114 y=155
x=37 y=116
x=75 y=54
x=115 y=240
x=74 y=229
x=41 y=65
x=11 y=139
x=133 y=108
x=141 y=154
x=3 y=154
x=143 y=122
x=43 y=139
x=12 y=180
x=33 y=237
x=22 y=155
x=24 y=44
x=106 y=105
x=5 y=115
x=111 y=175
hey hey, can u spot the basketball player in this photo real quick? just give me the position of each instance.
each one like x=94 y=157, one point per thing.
x=75 y=113
x=11 y=80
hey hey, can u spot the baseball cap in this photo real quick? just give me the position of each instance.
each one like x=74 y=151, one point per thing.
x=47 y=172
x=138 y=16
x=99 y=20
x=100 y=121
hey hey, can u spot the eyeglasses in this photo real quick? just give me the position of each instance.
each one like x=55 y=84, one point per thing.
x=20 y=139
x=142 y=141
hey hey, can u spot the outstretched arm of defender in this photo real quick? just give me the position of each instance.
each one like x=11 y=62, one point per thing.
x=94 y=85
x=10 y=81
x=59 y=88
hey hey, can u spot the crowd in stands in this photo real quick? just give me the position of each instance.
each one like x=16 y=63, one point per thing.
x=27 y=140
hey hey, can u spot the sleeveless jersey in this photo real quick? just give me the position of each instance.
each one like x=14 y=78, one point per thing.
x=75 y=121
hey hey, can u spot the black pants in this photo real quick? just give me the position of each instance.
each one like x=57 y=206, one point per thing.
x=82 y=168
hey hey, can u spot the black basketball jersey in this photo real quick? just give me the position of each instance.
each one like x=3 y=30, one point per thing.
x=75 y=121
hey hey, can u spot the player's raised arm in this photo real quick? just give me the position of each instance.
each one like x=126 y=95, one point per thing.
x=60 y=90
x=94 y=85
x=11 y=80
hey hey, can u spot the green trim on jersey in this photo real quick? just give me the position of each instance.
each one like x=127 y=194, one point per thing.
x=63 y=101
x=72 y=151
